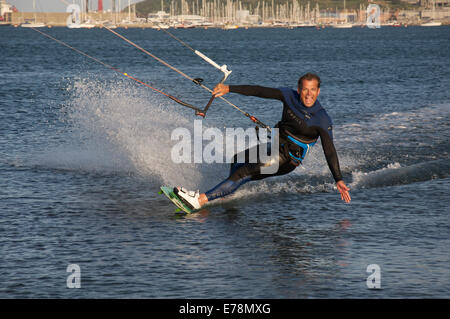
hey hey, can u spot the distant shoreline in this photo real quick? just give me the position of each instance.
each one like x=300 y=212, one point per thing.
x=147 y=26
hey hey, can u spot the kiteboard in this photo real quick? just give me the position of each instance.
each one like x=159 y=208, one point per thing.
x=168 y=191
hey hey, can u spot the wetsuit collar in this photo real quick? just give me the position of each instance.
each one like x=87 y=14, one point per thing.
x=308 y=112
x=313 y=109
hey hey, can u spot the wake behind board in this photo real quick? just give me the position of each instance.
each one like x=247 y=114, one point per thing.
x=168 y=191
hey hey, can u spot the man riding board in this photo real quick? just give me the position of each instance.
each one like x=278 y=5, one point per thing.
x=303 y=121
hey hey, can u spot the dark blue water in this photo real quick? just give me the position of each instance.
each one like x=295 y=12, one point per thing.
x=83 y=151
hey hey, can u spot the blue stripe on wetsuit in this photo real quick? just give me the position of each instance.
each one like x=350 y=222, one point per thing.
x=304 y=146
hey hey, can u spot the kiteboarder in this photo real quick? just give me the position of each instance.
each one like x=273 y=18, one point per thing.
x=303 y=121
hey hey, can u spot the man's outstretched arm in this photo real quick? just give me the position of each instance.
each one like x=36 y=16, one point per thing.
x=333 y=164
x=249 y=90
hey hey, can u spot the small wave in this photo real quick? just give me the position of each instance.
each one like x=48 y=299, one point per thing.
x=396 y=174
x=391 y=175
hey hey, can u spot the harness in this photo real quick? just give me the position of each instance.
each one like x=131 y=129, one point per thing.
x=294 y=147
x=300 y=154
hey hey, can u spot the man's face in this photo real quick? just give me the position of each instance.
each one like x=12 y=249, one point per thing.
x=309 y=92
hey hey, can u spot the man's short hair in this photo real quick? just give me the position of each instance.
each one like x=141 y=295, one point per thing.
x=308 y=77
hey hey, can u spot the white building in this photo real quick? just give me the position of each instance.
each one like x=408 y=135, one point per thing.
x=244 y=16
x=4 y=7
x=5 y=11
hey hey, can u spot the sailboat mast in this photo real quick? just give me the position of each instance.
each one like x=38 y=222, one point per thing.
x=345 y=12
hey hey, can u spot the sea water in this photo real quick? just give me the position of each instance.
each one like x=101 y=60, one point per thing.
x=83 y=151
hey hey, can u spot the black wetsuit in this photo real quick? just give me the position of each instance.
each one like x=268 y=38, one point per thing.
x=299 y=129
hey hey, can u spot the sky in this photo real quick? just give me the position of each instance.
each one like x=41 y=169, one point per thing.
x=61 y=5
